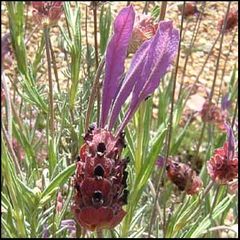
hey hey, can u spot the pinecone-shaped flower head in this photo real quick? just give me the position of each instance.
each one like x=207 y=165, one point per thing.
x=231 y=21
x=184 y=177
x=47 y=13
x=189 y=9
x=211 y=113
x=100 y=181
x=223 y=165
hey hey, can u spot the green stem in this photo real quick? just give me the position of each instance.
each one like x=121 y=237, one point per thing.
x=11 y=150
x=163 y=10
x=8 y=107
x=51 y=109
x=189 y=50
x=235 y=114
x=168 y=140
x=99 y=234
x=54 y=66
x=93 y=93
x=215 y=200
x=139 y=145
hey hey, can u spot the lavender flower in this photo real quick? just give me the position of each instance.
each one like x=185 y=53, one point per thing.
x=101 y=178
x=47 y=13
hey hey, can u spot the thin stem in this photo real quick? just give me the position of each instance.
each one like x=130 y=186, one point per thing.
x=11 y=150
x=30 y=34
x=163 y=10
x=8 y=107
x=219 y=54
x=95 y=34
x=199 y=143
x=219 y=228
x=214 y=80
x=54 y=65
x=51 y=109
x=235 y=114
x=215 y=200
x=169 y=135
x=189 y=51
x=86 y=33
x=154 y=195
x=96 y=58
x=225 y=64
x=145 y=9
x=207 y=189
x=171 y=111
x=99 y=234
x=93 y=93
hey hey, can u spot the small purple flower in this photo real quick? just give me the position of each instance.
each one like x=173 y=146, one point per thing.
x=160 y=161
x=45 y=231
x=226 y=102
x=230 y=141
x=69 y=224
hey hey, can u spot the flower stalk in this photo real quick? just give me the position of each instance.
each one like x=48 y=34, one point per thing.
x=50 y=83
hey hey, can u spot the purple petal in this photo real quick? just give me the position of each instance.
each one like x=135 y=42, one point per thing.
x=162 y=50
x=115 y=57
x=230 y=140
x=129 y=81
x=68 y=222
x=45 y=231
x=160 y=161
x=226 y=102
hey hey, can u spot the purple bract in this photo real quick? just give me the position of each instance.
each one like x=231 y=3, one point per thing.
x=149 y=64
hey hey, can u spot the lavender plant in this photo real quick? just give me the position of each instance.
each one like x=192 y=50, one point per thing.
x=95 y=142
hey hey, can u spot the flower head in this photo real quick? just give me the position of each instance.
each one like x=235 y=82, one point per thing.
x=47 y=13
x=189 y=9
x=184 y=177
x=211 y=113
x=101 y=177
x=223 y=165
x=144 y=29
x=100 y=181
x=231 y=21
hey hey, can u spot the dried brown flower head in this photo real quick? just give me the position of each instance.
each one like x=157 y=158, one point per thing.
x=189 y=10
x=211 y=113
x=221 y=168
x=47 y=13
x=184 y=177
x=231 y=22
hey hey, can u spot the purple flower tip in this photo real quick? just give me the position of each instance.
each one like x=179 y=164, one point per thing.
x=230 y=141
x=160 y=161
x=149 y=64
x=226 y=102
